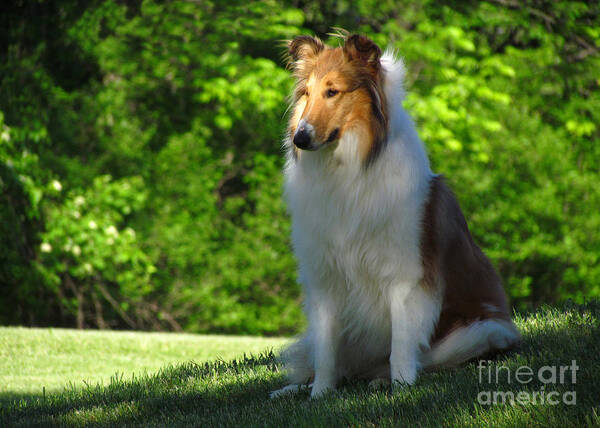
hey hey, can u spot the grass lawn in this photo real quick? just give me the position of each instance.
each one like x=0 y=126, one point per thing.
x=235 y=393
x=32 y=359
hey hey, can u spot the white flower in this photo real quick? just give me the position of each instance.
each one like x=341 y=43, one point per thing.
x=87 y=267
x=5 y=136
x=76 y=250
x=45 y=247
x=76 y=214
x=56 y=185
x=92 y=225
x=111 y=230
x=79 y=200
x=110 y=241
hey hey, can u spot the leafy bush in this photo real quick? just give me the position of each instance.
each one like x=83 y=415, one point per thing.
x=165 y=118
x=19 y=228
x=92 y=261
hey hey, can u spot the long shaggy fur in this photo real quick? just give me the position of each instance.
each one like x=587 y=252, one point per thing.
x=392 y=279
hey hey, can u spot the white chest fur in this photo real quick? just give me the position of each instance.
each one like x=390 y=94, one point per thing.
x=356 y=233
x=355 y=227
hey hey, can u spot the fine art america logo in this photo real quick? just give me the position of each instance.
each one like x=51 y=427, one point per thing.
x=546 y=376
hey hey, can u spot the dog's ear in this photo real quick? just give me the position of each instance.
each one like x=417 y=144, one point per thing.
x=364 y=50
x=302 y=55
x=304 y=48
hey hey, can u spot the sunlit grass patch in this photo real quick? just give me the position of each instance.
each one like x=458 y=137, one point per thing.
x=32 y=360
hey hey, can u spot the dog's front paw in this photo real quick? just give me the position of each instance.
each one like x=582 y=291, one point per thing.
x=318 y=390
x=403 y=373
x=286 y=390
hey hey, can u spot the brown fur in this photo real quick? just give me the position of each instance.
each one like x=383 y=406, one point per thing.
x=472 y=288
x=354 y=71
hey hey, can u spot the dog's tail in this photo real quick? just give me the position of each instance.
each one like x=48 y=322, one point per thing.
x=473 y=340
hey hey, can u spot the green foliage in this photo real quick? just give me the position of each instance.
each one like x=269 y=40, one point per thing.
x=166 y=119
x=88 y=251
x=19 y=227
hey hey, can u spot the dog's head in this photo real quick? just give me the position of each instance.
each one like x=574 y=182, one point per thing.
x=338 y=91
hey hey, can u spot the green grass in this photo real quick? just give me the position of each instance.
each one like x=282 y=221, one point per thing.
x=33 y=359
x=235 y=393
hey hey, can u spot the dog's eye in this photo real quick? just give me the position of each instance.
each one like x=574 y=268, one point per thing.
x=331 y=93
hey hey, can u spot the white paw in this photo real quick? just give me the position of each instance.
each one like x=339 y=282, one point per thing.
x=403 y=373
x=286 y=390
x=318 y=390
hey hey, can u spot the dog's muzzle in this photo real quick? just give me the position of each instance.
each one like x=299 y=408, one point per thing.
x=303 y=139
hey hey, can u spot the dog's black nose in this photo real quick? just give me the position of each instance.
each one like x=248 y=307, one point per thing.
x=302 y=138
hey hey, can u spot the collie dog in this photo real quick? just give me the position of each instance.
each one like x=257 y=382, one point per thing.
x=392 y=279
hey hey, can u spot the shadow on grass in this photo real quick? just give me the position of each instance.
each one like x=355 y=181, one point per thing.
x=236 y=393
